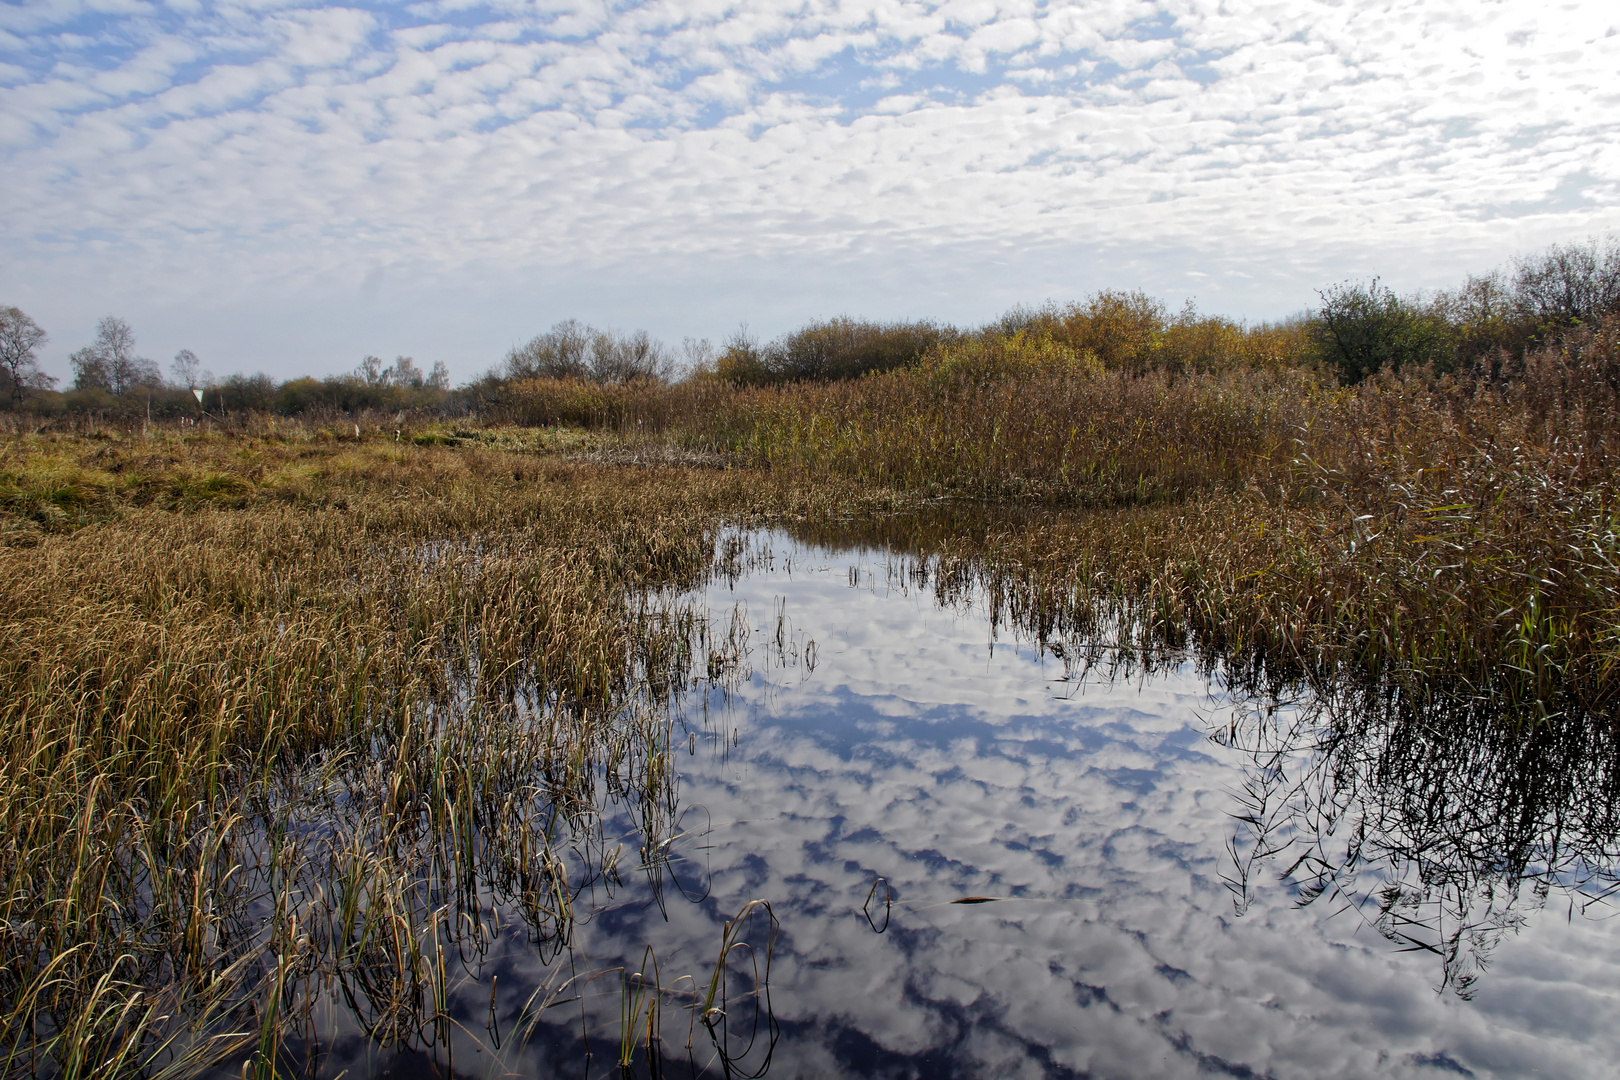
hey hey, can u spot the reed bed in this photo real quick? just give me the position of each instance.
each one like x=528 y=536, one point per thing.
x=1455 y=530
x=286 y=716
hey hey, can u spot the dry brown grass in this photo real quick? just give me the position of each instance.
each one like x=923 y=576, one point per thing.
x=277 y=711
x=1443 y=531
x=1444 y=528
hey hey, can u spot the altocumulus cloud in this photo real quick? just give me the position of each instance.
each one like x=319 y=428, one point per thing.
x=152 y=151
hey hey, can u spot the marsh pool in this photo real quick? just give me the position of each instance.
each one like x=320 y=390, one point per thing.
x=982 y=857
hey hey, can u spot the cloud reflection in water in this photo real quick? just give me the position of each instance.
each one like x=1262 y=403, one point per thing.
x=920 y=751
x=910 y=745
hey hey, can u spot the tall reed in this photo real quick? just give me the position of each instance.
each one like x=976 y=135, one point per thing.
x=282 y=713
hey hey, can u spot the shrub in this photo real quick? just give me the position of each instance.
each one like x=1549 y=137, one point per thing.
x=574 y=350
x=1363 y=329
x=845 y=348
x=996 y=355
x=828 y=350
x=742 y=361
x=1131 y=331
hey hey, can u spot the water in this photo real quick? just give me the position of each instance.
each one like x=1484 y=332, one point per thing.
x=888 y=756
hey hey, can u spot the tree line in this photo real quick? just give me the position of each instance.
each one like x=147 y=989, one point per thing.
x=110 y=377
x=1358 y=329
x=1491 y=320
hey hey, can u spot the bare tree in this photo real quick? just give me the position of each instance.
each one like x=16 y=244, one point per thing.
x=117 y=342
x=370 y=370
x=20 y=338
x=110 y=362
x=89 y=369
x=573 y=350
x=622 y=358
x=1570 y=284
x=185 y=368
x=439 y=379
x=559 y=353
x=699 y=354
x=404 y=373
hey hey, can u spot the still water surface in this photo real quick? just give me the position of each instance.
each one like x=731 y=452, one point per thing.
x=888 y=755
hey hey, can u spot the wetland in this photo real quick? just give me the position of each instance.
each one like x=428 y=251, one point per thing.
x=483 y=758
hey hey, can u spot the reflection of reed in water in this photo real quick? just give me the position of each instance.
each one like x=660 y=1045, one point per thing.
x=503 y=816
x=1441 y=814
x=494 y=774
x=1440 y=823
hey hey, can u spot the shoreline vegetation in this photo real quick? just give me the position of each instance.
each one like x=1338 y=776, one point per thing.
x=448 y=625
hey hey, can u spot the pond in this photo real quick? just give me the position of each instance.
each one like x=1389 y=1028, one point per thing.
x=919 y=840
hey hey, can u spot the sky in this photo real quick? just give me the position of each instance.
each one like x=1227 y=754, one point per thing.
x=288 y=186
